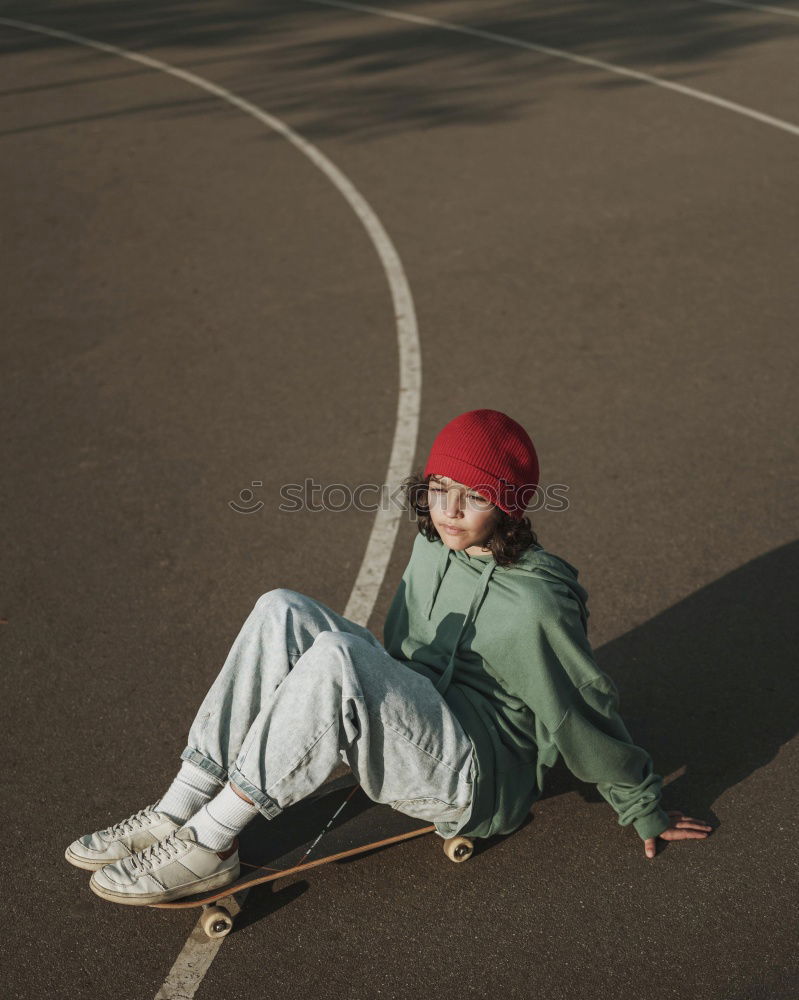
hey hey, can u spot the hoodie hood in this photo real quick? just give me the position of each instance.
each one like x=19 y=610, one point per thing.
x=539 y=563
x=534 y=562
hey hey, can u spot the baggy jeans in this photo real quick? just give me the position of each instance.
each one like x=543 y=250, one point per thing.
x=304 y=689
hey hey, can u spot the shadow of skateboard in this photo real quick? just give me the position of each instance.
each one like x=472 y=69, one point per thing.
x=340 y=824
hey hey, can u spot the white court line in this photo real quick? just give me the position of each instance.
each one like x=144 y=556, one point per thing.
x=491 y=36
x=198 y=952
x=784 y=11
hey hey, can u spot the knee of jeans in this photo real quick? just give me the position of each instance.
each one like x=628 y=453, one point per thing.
x=334 y=655
x=339 y=643
x=321 y=665
x=280 y=597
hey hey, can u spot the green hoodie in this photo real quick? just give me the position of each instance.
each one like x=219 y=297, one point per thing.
x=507 y=648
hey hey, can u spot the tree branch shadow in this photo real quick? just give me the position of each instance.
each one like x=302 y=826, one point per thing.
x=350 y=74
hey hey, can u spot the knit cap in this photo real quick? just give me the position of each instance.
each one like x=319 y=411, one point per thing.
x=489 y=452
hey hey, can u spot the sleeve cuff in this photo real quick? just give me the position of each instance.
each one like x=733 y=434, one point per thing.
x=652 y=824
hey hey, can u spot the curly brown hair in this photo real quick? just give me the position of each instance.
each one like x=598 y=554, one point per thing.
x=509 y=539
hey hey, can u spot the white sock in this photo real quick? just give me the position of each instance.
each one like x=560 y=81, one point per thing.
x=222 y=819
x=190 y=790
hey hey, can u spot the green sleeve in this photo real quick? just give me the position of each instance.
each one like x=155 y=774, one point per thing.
x=596 y=747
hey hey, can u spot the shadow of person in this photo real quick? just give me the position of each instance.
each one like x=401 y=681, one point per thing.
x=710 y=686
x=264 y=842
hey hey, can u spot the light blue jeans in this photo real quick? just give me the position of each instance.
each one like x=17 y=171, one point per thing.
x=305 y=691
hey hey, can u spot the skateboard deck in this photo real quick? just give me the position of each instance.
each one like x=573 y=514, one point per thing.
x=340 y=825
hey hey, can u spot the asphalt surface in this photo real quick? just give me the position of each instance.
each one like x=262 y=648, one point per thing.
x=190 y=307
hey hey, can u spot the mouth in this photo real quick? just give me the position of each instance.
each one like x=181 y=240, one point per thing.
x=451 y=530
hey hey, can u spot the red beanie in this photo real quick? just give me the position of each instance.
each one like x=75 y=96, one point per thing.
x=490 y=453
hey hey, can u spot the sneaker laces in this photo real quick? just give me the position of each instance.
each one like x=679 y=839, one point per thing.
x=130 y=824
x=163 y=850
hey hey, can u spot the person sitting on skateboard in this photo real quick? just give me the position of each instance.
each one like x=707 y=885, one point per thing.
x=485 y=678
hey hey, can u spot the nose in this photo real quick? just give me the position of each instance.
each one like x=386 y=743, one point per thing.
x=452 y=507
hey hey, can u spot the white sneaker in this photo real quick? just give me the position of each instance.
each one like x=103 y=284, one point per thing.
x=138 y=831
x=174 y=867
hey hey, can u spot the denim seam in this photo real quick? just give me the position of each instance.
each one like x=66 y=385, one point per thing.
x=430 y=798
x=293 y=767
x=267 y=806
x=303 y=755
x=438 y=760
x=204 y=763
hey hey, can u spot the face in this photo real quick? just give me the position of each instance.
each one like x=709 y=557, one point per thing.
x=459 y=507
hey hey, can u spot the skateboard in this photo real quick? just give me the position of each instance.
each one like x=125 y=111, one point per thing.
x=342 y=824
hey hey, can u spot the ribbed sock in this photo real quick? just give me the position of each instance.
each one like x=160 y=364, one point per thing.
x=190 y=790
x=222 y=819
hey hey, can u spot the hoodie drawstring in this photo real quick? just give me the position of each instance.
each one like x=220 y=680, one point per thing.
x=441 y=568
x=482 y=584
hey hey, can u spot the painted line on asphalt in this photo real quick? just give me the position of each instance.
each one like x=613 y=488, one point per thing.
x=199 y=952
x=699 y=95
x=783 y=11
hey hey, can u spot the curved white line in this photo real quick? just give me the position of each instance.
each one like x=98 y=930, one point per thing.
x=783 y=11
x=384 y=530
x=199 y=951
x=491 y=36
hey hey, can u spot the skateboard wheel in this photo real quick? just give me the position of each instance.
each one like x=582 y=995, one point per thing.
x=458 y=848
x=216 y=922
